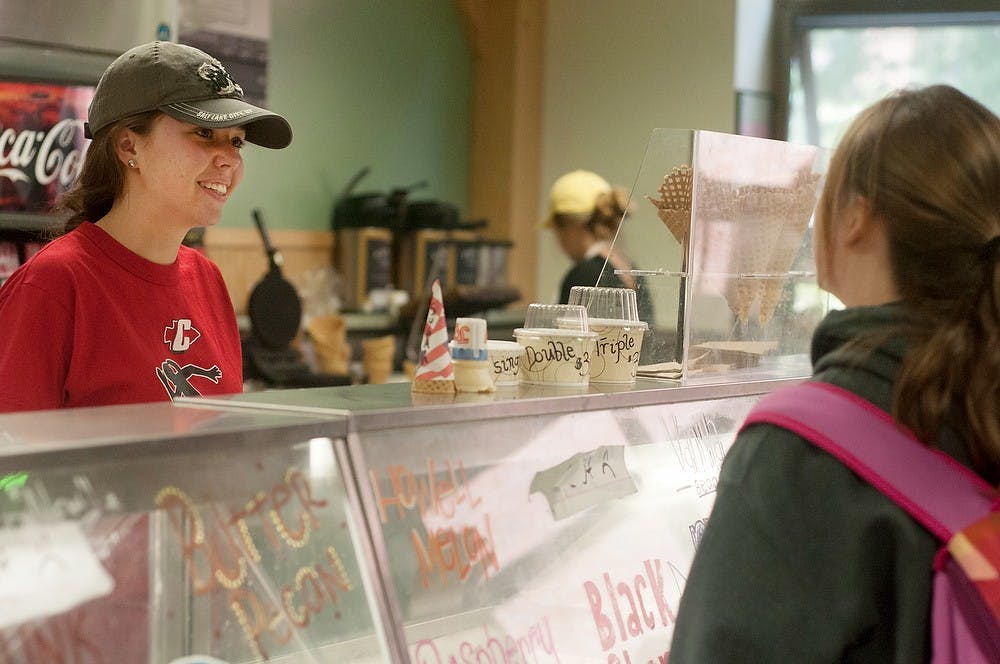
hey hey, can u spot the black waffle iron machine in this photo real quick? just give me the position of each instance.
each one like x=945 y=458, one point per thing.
x=275 y=312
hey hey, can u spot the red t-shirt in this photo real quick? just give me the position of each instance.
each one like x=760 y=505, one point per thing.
x=87 y=322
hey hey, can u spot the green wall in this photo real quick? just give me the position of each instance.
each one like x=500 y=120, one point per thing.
x=379 y=83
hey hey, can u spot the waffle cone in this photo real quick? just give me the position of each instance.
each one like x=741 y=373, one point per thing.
x=745 y=209
x=794 y=208
x=673 y=204
x=433 y=386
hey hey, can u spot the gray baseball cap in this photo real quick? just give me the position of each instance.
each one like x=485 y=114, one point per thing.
x=188 y=85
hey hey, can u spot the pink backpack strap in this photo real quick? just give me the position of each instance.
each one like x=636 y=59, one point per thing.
x=940 y=493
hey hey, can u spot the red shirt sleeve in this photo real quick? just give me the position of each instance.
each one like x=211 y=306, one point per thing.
x=37 y=331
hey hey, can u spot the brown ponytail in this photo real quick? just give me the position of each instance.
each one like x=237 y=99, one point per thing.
x=928 y=162
x=102 y=178
x=954 y=374
x=609 y=210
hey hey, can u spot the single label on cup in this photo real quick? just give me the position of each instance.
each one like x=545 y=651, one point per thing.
x=616 y=351
x=555 y=359
x=505 y=362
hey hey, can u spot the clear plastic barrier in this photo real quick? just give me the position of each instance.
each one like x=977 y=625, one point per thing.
x=552 y=538
x=721 y=243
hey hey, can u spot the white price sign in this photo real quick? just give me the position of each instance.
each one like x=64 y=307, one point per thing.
x=46 y=569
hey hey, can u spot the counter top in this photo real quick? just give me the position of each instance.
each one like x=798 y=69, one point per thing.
x=59 y=435
x=391 y=405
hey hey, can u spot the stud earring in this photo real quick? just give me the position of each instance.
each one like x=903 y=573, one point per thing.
x=131 y=163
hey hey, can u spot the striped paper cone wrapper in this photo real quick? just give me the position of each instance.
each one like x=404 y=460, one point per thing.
x=435 y=360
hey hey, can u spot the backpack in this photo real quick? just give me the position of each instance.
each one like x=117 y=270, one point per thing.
x=945 y=497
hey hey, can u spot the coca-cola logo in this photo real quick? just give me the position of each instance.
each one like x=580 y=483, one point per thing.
x=44 y=157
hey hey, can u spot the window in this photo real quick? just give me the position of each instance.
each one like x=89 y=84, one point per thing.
x=839 y=57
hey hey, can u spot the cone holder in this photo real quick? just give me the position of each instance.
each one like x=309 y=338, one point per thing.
x=720 y=234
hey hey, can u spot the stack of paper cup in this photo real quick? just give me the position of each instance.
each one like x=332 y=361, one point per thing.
x=470 y=355
x=613 y=315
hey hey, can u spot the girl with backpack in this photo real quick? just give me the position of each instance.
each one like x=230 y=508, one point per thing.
x=802 y=559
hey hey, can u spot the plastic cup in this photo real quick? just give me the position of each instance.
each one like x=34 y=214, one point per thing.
x=613 y=315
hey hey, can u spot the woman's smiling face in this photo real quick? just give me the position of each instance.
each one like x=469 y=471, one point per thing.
x=187 y=172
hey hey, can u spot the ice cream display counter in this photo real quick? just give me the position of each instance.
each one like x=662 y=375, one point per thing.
x=534 y=524
x=360 y=524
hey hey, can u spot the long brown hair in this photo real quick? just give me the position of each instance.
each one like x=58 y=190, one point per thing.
x=928 y=163
x=102 y=177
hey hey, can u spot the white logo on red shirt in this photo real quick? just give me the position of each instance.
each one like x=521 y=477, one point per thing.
x=180 y=334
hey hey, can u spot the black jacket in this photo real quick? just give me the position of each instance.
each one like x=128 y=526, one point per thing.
x=801 y=560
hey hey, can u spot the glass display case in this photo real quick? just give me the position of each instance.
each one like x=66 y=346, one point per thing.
x=182 y=533
x=534 y=524
x=720 y=237
x=360 y=524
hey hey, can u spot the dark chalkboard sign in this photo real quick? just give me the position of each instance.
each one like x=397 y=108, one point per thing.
x=467 y=263
x=436 y=255
x=378 y=259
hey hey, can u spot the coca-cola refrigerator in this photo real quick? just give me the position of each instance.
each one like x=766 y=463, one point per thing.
x=41 y=142
x=41 y=153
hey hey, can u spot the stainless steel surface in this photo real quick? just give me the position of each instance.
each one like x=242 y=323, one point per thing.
x=392 y=405
x=66 y=435
x=112 y=27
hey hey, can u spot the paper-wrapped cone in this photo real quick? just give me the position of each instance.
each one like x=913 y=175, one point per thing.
x=435 y=372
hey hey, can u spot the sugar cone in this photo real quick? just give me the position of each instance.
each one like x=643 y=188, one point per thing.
x=329 y=337
x=435 y=372
x=377 y=357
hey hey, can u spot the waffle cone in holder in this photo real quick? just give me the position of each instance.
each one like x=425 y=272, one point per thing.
x=673 y=205
x=763 y=227
x=794 y=209
x=750 y=234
